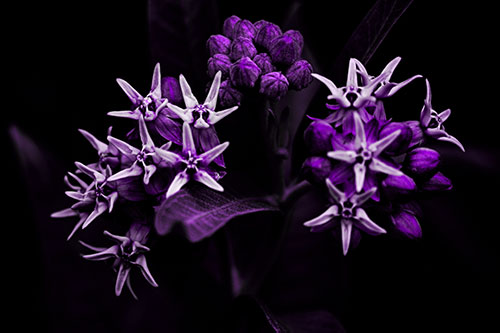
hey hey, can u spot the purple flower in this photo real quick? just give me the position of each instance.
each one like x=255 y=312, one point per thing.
x=244 y=73
x=297 y=37
x=299 y=74
x=364 y=153
x=318 y=137
x=402 y=142
x=218 y=62
x=242 y=47
x=228 y=26
x=244 y=28
x=438 y=182
x=200 y=115
x=93 y=199
x=266 y=34
x=274 y=85
x=144 y=161
x=386 y=88
x=218 y=44
x=432 y=122
x=284 y=50
x=316 y=169
x=127 y=253
x=148 y=106
x=229 y=95
x=422 y=161
x=171 y=89
x=108 y=153
x=347 y=211
x=406 y=222
x=263 y=60
x=193 y=166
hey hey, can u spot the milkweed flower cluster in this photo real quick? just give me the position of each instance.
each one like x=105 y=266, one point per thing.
x=169 y=146
x=371 y=163
x=257 y=55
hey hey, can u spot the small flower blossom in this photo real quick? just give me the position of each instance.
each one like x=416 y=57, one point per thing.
x=229 y=95
x=422 y=161
x=432 y=122
x=244 y=28
x=299 y=74
x=147 y=107
x=127 y=253
x=228 y=26
x=244 y=73
x=364 y=153
x=218 y=62
x=266 y=34
x=98 y=197
x=284 y=50
x=263 y=60
x=218 y=44
x=145 y=161
x=193 y=166
x=347 y=211
x=201 y=115
x=273 y=85
x=242 y=47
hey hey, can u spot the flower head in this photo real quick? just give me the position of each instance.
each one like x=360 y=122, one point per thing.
x=148 y=106
x=192 y=166
x=201 y=115
x=364 y=153
x=432 y=122
x=347 y=211
x=127 y=253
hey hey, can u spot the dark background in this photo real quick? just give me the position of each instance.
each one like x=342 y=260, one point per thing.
x=62 y=61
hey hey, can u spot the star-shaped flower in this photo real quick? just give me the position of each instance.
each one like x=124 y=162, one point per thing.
x=145 y=161
x=364 y=153
x=147 y=107
x=194 y=167
x=432 y=122
x=347 y=210
x=128 y=252
x=200 y=115
x=99 y=196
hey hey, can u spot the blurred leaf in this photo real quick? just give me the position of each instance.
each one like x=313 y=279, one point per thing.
x=202 y=211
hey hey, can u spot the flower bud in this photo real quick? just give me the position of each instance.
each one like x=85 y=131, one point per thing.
x=297 y=37
x=438 y=182
x=284 y=50
x=316 y=169
x=263 y=60
x=406 y=223
x=218 y=44
x=402 y=141
x=259 y=24
x=400 y=185
x=242 y=47
x=228 y=27
x=229 y=95
x=273 y=85
x=266 y=34
x=244 y=28
x=318 y=137
x=171 y=90
x=218 y=62
x=244 y=73
x=417 y=135
x=299 y=74
x=422 y=161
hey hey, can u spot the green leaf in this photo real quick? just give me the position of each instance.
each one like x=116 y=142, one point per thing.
x=201 y=211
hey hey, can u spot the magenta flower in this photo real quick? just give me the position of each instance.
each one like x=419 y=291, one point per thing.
x=363 y=153
x=147 y=107
x=127 y=253
x=200 y=115
x=145 y=161
x=191 y=165
x=432 y=122
x=347 y=211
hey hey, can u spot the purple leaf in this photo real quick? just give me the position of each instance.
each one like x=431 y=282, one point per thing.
x=201 y=211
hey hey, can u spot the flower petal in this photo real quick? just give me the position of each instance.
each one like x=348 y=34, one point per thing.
x=445 y=114
x=366 y=224
x=208 y=156
x=123 y=146
x=360 y=138
x=359 y=199
x=188 y=145
x=335 y=193
x=100 y=208
x=132 y=94
x=187 y=94
x=359 y=176
x=99 y=177
x=425 y=114
x=453 y=140
x=77 y=226
x=390 y=67
x=379 y=166
x=125 y=114
x=117 y=238
x=100 y=146
x=111 y=201
x=352 y=75
x=336 y=93
x=121 y=278
x=168 y=156
x=133 y=171
x=111 y=252
x=156 y=82
x=64 y=213
x=75 y=195
x=347 y=156
x=215 y=117
x=401 y=85
x=149 y=170
x=325 y=217
x=141 y=262
x=179 y=181
x=144 y=134
x=184 y=114
x=203 y=177
x=200 y=123
x=346 y=229
x=378 y=147
x=211 y=100
x=129 y=286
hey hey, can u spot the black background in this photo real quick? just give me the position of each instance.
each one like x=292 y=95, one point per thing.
x=62 y=61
